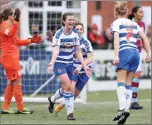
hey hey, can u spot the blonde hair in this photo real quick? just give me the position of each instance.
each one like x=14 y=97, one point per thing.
x=121 y=8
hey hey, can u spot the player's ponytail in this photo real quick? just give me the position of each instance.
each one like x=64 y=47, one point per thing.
x=1 y=17
x=134 y=10
x=121 y=8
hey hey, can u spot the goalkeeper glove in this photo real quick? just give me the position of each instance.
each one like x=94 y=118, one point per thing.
x=36 y=39
x=17 y=14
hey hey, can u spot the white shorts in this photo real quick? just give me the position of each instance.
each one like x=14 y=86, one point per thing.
x=140 y=63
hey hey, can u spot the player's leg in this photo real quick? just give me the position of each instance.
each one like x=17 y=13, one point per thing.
x=121 y=92
x=7 y=99
x=121 y=73
x=15 y=76
x=59 y=69
x=135 y=87
x=130 y=75
x=58 y=94
x=67 y=94
x=126 y=113
x=62 y=104
x=82 y=80
x=9 y=88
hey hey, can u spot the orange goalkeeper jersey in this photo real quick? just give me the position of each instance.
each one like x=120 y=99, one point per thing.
x=9 y=42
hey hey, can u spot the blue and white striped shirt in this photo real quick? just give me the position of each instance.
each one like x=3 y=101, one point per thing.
x=128 y=33
x=66 y=42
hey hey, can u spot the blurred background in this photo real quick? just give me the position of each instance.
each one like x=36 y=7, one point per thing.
x=39 y=16
x=99 y=95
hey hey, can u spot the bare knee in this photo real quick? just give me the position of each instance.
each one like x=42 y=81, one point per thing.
x=121 y=75
x=66 y=83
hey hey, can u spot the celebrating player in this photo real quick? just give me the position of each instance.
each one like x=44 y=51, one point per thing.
x=9 y=43
x=126 y=57
x=80 y=77
x=136 y=16
x=64 y=42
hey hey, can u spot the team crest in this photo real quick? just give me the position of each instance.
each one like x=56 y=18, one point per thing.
x=59 y=70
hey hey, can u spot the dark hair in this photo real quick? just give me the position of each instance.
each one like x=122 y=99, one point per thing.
x=134 y=10
x=78 y=23
x=5 y=14
x=65 y=16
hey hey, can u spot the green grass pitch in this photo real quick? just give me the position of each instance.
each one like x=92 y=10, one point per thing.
x=100 y=109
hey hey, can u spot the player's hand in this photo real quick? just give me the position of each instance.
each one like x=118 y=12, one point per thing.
x=77 y=70
x=50 y=67
x=88 y=71
x=17 y=14
x=115 y=60
x=49 y=35
x=36 y=39
x=148 y=58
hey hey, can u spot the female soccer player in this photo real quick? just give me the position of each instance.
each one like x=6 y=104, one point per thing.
x=136 y=16
x=80 y=77
x=126 y=57
x=9 y=43
x=64 y=42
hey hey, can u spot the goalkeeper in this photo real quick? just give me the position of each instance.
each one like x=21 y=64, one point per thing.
x=79 y=77
x=9 y=58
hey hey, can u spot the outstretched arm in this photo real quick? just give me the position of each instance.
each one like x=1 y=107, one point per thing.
x=145 y=45
x=34 y=39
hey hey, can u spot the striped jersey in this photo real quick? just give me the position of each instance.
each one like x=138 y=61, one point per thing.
x=86 y=47
x=66 y=42
x=128 y=33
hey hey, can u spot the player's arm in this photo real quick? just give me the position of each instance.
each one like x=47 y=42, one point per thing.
x=115 y=32
x=145 y=44
x=89 y=52
x=116 y=44
x=80 y=58
x=34 y=39
x=55 y=53
x=88 y=60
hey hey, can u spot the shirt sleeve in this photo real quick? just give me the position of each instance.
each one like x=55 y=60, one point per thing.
x=56 y=40
x=20 y=42
x=88 y=46
x=11 y=31
x=114 y=27
x=77 y=39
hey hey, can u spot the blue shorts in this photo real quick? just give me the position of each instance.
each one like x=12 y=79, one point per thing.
x=80 y=80
x=62 y=68
x=128 y=60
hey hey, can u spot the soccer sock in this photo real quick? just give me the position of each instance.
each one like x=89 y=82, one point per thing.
x=72 y=102
x=58 y=94
x=121 y=93
x=68 y=102
x=128 y=96
x=17 y=89
x=7 y=96
x=135 y=88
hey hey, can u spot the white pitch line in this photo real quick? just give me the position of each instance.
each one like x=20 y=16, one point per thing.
x=111 y=102
x=96 y=103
